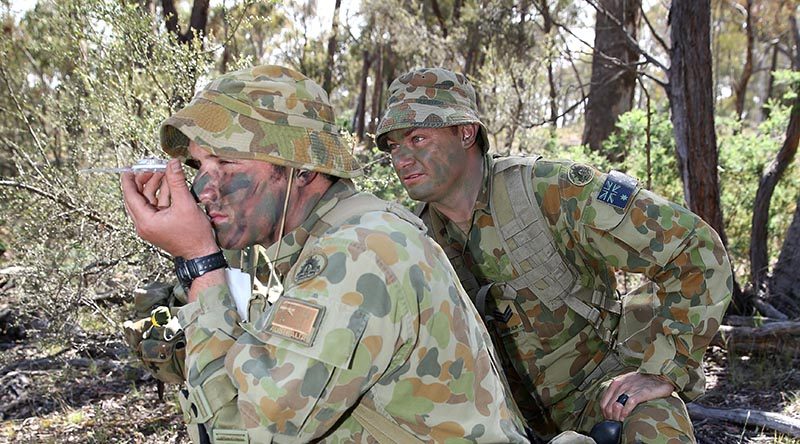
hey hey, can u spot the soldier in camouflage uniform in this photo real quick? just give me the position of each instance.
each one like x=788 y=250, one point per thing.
x=372 y=337
x=537 y=243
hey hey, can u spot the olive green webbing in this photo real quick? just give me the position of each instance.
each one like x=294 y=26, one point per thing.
x=384 y=430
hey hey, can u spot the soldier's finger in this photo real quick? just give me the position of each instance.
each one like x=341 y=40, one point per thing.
x=624 y=411
x=151 y=188
x=141 y=179
x=135 y=203
x=179 y=190
x=616 y=399
x=164 y=192
x=610 y=396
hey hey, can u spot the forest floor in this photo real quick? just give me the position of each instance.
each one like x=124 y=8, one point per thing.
x=87 y=388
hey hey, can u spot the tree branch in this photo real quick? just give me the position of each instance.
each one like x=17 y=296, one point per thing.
x=59 y=200
x=773 y=421
x=658 y=38
x=629 y=40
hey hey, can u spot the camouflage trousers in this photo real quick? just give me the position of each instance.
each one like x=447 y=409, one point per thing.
x=659 y=421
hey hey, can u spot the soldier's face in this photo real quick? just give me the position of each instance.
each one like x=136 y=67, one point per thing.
x=430 y=162
x=243 y=198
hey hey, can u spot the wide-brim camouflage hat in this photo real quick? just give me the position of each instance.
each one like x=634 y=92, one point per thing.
x=268 y=113
x=429 y=98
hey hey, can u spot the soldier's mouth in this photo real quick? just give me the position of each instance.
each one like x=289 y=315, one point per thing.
x=412 y=178
x=216 y=217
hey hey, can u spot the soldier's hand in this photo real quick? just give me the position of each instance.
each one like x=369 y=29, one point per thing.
x=154 y=188
x=165 y=213
x=636 y=388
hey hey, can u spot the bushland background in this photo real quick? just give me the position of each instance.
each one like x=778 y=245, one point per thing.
x=696 y=98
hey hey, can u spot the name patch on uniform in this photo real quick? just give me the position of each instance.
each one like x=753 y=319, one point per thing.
x=618 y=189
x=311 y=267
x=296 y=320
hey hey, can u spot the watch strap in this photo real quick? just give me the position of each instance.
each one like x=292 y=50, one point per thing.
x=188 y=270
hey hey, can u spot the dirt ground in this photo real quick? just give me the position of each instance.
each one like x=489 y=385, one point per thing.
x=89 y=389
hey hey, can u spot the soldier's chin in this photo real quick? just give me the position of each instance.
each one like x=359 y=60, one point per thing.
x=418 y=193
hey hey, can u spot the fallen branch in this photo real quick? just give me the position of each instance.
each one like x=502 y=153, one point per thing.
x=768 y=310
x=779 y=336
x=773 y=421
x=748 y=321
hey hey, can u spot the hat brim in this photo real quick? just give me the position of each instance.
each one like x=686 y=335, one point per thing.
x=421 y=115
x=211 y=127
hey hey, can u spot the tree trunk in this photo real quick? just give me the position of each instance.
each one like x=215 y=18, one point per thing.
x=766 y=186
x=439 y=17
x=457 y=11
x=770 y=81
x=547 y=27
x=785 y=282
x=692 y=106
x=197 y=21
x=327 y=83
x=613 y=74
x=359 y=123
x=377 y=90
x=740 y=89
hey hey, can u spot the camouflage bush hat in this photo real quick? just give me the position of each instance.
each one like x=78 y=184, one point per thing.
x=429 y=98
x=268 y=113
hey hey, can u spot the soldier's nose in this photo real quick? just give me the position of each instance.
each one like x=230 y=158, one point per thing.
x=401 y=158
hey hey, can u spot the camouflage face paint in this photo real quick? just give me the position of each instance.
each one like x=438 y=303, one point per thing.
x=430 y=162
x=243 y=198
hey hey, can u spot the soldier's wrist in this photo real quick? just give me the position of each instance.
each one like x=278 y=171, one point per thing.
x=187 y=270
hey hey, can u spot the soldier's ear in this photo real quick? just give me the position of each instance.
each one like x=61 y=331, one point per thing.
x=469 y=134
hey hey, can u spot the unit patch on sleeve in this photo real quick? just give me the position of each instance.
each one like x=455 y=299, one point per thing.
x=618 y=189
x=580 y=174
x=296 y=320
x=311 y=267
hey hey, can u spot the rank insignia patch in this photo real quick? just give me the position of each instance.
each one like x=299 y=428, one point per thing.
x=580 y=174
x=296 y=320
x=311 y=267
x=618 y=189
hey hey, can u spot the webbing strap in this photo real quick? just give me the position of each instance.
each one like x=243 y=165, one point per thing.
x=384 y=430
x=230 y=436
x=531 y=248
x=611 y=361
x=208 y=398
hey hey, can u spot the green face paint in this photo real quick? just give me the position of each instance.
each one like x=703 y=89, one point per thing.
x=243 y=199
x=430 y=162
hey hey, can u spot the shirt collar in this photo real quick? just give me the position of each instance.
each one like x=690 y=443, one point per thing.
x=482 y=202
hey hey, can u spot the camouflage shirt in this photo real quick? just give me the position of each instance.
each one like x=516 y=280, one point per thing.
x=680 y=254
x=371 y=312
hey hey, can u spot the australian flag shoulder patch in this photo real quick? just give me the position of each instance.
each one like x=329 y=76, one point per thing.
x=618 y=189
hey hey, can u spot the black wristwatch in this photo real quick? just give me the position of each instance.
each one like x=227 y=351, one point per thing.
x=189 y=270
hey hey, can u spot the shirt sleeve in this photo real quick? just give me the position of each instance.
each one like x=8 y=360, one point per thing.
x=688 y=269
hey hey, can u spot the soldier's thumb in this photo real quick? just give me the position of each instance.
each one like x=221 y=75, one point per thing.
x=177 y=184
